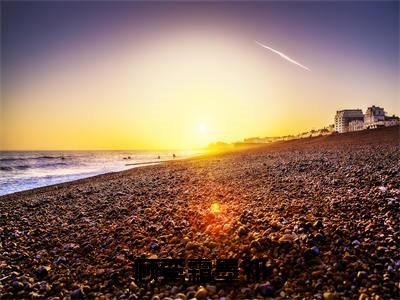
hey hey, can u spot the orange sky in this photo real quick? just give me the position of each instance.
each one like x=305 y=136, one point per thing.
x=183 y=86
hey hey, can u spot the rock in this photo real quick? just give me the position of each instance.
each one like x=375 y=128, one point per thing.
x=211 y=289
x=60 y=260
x=243 y=231
x=361 y=274
x=315 y=250
x=363 y=297
x=380 y=251
x=190 y=295
x=77 y=294
x=42 y=271
x=266 y=290
x=191 y=246
x=383 y=189
x=180 y=296
x=174 y=290
x=71 y=246
x=311 y=253
x=329 y=296
x=201 y=293
x=286 y=238
x=17 y=286
x=133 y=286
x=154 y=246
x=318 y=224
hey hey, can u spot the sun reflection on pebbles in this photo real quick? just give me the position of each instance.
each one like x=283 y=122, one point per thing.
x=216 y=219
x=215 y=208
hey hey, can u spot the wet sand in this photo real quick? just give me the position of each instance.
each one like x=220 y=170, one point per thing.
x=322 y=211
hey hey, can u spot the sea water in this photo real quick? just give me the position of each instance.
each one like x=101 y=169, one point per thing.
x=23 y=170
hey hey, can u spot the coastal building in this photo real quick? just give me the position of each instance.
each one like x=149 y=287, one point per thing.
x=356 y=125
x=392 y=121
x=344 y=117
x=374 y=117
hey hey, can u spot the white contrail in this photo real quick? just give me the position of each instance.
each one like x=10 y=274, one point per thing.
x=283 y=56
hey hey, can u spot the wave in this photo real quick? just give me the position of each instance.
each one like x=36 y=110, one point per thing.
x=28 y=158
x=24 y=167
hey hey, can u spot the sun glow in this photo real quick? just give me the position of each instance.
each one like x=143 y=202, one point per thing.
x=202 y=128
x=215 y=208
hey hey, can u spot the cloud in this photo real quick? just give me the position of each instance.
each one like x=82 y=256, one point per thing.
x=284 y=56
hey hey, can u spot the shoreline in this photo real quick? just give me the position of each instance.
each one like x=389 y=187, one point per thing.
x=134 y=166
x=217 y=152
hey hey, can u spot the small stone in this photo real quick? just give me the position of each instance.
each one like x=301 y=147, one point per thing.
x=363 y=297
x=383 y=189
x=201 y=293
x=191 y=246
x=286 y=238
x=180 y=296
x=361 y=274
x=266 y=290
x=60 y=260
x=42 y=271
x=154 y=246
x=319 y=237
x=174 y=290
x=190 y=295
x=70 y=246
x=315 y=250
x=133 y=286
x=318 y=224
x=77 y=294
x=381 y=251
x=211 y=289
x=255 y=244
x=242 y=231
x=17 y=286
x=329 y=296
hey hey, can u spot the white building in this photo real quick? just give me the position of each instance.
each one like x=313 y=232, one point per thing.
x=356 y=125
x=374 y=117
x=344 y=117
x=392 y=121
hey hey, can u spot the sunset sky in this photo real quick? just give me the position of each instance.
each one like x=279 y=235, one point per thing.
x=136 y=75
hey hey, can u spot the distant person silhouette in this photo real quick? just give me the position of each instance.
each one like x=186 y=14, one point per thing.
x=174 y=156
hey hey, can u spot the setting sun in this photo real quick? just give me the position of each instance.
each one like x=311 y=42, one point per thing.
x=202 y=128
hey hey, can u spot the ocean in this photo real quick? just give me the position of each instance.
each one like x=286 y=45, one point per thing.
x=24 y=170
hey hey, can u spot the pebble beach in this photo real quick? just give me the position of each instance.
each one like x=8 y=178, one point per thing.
x=323 y=212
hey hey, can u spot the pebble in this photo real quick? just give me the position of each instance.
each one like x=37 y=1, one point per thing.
x=42 y=271
x=329 y=296
x=77 y=294
x=133 y=286
x=266 y=290
x=315 y=250
x=363 y=297
x=201 y=293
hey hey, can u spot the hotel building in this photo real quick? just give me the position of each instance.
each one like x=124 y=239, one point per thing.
x=344 y=117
